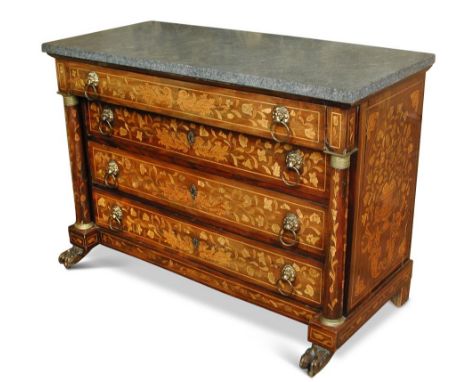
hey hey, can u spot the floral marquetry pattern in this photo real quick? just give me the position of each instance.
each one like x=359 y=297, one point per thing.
x=250 y=262
x=236 y=110
x=337 y=227
x=333 y=246
x=336 y=128
x=254 y=157
x=387 y=188
x=341 y=129
x=61 y=75
x=209 y=196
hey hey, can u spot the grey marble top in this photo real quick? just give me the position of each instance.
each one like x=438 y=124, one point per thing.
x=332 y=71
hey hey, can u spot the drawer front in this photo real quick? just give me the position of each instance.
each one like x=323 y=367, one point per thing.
x=237 y=205
x=242 y=258
x=240 y=111
x=252 y=157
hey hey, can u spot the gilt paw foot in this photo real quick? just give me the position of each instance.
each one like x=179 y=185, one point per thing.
x=71 y=256
x=314 y=359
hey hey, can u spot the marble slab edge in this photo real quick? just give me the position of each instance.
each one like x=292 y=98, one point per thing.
x=342 y=96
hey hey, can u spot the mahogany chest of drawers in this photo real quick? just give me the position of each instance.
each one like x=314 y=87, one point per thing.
x=279 y=170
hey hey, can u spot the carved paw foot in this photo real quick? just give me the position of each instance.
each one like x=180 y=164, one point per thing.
x=71 y=256
x=314 y=359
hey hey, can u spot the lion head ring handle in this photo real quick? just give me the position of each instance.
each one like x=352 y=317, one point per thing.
x=115 y=218
x=294 y=162
x=112 y=172
x=280 y=115
x=92 y=82
x=285 y=283
x=291 y=225
x=105 y=121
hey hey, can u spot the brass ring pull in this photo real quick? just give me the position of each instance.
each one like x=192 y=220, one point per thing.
x=106 y=119
x=115 y=219
x=288 y=276
x=280 y=115
x=112 y=172
x=297 y=177
x=92 y=81
x=294 y=162
x=291 y=224
x=282 y=237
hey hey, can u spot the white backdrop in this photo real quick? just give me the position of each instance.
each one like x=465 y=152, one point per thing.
x=114 y=318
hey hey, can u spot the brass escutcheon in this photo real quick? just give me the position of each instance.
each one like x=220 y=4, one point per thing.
x=191 y=138
x=195 y=243
x=193 y=191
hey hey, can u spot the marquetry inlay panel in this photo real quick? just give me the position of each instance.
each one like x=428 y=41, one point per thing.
x=252 y=262
x=252 y=209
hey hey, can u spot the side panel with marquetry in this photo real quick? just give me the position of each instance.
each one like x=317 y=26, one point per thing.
x=384 y=197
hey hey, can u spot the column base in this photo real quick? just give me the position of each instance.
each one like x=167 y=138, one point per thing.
x=332 y=322
x=83 y=237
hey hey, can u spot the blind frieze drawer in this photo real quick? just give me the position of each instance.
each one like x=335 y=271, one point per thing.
x=298 y=122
